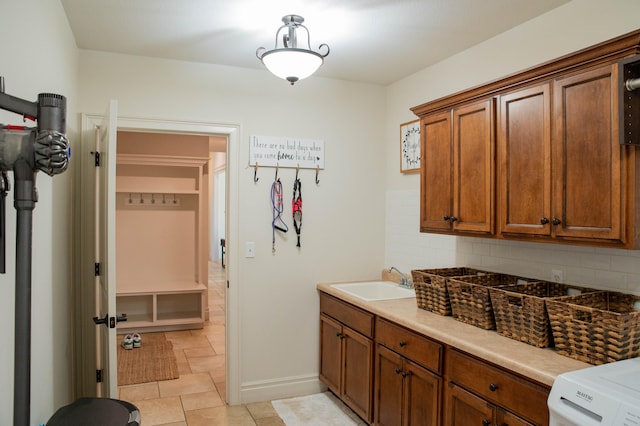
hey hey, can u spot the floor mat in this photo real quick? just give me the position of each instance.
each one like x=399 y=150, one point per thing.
x=154 y=361
x=321 y=409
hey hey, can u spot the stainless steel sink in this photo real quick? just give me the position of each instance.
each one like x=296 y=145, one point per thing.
x=375 y=290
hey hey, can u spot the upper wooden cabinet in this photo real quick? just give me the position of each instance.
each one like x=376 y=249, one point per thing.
x=587 y=157
x=457 y=164
x=524 y=162
x=436 y=183
x=559 y=152
x=561 y=173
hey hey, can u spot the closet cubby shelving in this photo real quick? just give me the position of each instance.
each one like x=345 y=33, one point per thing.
x=161 y=248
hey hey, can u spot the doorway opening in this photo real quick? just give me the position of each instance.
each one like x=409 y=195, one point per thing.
x=170 y=218
x=85 y=353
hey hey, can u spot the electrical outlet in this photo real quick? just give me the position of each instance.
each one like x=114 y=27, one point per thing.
x=557 y=276
x=250 y=249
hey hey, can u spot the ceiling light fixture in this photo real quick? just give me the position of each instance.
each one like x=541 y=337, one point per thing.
x=289 y=61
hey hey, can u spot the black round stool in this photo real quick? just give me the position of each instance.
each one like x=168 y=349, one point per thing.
x=96 y=412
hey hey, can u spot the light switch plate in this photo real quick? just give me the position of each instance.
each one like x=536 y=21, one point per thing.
x=250 y=249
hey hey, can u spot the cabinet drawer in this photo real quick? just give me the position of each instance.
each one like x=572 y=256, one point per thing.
x=411 y=345
x=527 y=399
x=349 y=315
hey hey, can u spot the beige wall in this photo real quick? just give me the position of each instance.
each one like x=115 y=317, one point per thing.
x=576 y=25
x=39 y=55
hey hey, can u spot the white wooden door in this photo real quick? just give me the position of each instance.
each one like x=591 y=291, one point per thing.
x=105 y=254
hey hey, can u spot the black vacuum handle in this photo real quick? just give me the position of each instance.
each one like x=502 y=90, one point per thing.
x=4 y=188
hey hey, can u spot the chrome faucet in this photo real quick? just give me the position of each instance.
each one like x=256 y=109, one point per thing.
x=404 y=281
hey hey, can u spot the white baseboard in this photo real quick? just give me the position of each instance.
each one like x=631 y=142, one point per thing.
x=284 y=387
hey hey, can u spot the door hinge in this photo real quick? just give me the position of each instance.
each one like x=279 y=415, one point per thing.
x=97 y=269
x=97 y=158
x=98 y=376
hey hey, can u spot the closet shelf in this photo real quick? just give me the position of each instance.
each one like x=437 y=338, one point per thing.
x=131 y=288
x=147 y=190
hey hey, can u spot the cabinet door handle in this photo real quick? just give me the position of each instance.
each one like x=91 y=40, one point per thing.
x=493 y=387
x=556 y=221
x=402 y=343
x=453 y=219
x=404 y=375
x=446 y=218
x=398 y=371
x=544 y=220
x=340 y=335
x=485 y=422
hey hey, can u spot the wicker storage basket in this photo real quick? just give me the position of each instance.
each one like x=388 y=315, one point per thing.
x=430 y=286
x=470 y=299
x=597 y=328
x=521 y=313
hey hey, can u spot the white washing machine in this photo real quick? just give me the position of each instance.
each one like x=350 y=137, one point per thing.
x=604 y=395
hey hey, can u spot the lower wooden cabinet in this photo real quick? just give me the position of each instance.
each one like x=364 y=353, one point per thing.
x=346 y=356
x=408 y=384
x=465 y=408
x=391 y=375
x=475 y=388
x=405 y=393
x=330 y=353
x=357 y=377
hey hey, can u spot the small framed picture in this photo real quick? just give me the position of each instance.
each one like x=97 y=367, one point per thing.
x=410 y=147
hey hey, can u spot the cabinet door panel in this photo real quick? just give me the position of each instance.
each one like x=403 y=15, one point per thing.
x=435 y=172
x=330 y=353
x=464 y=408
x=389 y=383
x=473 y=167
x=357 y=383
x=422 y=390
x=587 y=156
x=524 y=161
x=505 y=418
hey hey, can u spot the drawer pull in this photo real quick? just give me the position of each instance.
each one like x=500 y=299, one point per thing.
x=402 y=343
x=493 y=387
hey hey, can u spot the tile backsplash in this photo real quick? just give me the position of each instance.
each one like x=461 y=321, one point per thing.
x=407 y=248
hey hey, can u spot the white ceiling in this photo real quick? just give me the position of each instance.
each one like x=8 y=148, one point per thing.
x=372 y=41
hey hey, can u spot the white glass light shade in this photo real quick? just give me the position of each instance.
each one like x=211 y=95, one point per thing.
x=292 y=64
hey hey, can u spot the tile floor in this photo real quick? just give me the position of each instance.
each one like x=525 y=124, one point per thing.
x=197 y=397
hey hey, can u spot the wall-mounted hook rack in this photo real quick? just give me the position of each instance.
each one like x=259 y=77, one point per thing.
x=288 y=152
x=152 y=200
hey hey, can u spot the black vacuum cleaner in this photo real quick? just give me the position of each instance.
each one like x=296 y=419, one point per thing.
x=24 y=151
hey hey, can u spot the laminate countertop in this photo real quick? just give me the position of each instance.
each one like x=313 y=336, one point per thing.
x=538 y=364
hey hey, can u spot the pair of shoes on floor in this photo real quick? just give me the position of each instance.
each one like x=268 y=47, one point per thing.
x=131 y=341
